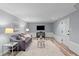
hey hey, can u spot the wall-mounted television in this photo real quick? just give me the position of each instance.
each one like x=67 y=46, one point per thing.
x=41 y=27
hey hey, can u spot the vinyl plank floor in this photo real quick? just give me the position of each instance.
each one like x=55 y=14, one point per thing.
x=50 y=49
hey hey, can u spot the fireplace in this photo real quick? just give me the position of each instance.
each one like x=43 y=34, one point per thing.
x=40 y=34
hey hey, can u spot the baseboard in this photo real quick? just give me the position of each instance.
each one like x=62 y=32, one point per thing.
x=65 y=48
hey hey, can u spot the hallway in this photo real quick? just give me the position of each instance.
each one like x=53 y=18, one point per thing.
x=50 y=50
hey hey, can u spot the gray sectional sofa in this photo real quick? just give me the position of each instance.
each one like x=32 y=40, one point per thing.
x=22 y=44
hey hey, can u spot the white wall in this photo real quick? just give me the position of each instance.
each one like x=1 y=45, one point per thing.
x=33 y=28
x=8 y=20
x=74 y=25
x=71 y=23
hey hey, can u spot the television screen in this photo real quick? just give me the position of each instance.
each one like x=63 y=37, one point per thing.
x=40 y=27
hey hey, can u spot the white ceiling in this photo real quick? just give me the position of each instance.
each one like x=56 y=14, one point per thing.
x=37 y=12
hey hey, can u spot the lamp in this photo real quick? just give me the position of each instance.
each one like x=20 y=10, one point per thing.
x=27 y=29
x=8 y=30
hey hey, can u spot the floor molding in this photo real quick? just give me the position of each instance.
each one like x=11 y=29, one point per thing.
x=64 y=49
